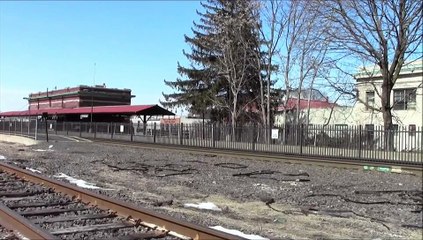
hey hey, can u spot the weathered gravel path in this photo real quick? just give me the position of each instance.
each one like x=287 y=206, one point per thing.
x=303 y=201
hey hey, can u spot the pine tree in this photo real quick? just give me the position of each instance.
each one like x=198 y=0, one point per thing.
x=223 y=78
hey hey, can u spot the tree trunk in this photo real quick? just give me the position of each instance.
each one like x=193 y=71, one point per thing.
x=387 y=114
x=262 y=101
x=388 y=136
x=269 y=70
x=233 y=127
x=234 y=116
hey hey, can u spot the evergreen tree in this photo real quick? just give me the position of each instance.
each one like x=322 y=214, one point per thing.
x=223 y=78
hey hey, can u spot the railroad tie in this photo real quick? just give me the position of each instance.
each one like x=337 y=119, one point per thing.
x=44 y=212
x=98 y=227
x=138 y=236
x=72 y=218
x=21 y=194
x=38 y=204
x=11 y=199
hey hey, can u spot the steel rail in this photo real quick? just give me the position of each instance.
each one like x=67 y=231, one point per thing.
x=13 y=221
x=138 y=214
x=415 y=169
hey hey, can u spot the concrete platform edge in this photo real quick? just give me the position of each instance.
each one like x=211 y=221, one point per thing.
x=18 y=139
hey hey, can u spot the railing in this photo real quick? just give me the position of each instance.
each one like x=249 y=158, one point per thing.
x=352 y=142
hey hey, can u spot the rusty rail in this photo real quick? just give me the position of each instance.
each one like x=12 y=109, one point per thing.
x=11 y=220
x=138 y=214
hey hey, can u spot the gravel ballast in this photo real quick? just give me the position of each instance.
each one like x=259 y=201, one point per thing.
x=267 y=198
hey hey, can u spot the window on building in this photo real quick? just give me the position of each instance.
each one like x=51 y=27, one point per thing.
x=412 y=129
x=341 y=130
x=370 y=99
x=404 y=99
x=341 y=127
x=370 y=134
x=395 y=128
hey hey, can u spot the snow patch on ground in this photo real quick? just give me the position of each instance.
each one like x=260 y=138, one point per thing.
x=204 y=205
x=43 y=150
x=33 y=170
x=264 y=187
x=79 y=182
x=238 y=233
x=2 y=157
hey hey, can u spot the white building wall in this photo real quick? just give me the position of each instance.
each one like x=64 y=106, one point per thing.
x=400 y=117
x=323 y=116
x=359 y=115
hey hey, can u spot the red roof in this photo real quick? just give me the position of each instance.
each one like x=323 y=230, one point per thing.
x=120 y=109
x=292 y=104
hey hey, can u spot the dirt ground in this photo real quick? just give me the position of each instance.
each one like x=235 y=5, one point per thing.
x=267 y=198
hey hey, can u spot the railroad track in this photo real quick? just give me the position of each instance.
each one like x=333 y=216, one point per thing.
x=415 y=168
x=37 y=207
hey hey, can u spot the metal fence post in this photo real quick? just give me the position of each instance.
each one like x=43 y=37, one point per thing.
x=80 y=129
x=154 y=133
x=55 y=127
x=112 y=129
x=36 y=128
x=95 y=130
x=46 y=129
x=421 y=140
x=359 y=141
x=29 y=124
x=131 y=131
x=181 y=133
x=213 y=135
x=301 y=138
x=253 y=145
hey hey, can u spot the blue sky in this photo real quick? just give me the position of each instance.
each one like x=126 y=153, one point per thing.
x=134 y=44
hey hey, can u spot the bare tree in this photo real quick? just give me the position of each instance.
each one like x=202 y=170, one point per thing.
x=275 y=22
x=237 y=42
x=270 y=30
x=291 y=38
x=305 y=56
x=386 y=33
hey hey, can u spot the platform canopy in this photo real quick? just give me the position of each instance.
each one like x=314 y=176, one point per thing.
x=139 y=110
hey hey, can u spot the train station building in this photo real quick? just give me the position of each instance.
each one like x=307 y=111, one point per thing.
x=87 y=104
x=80 y=96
